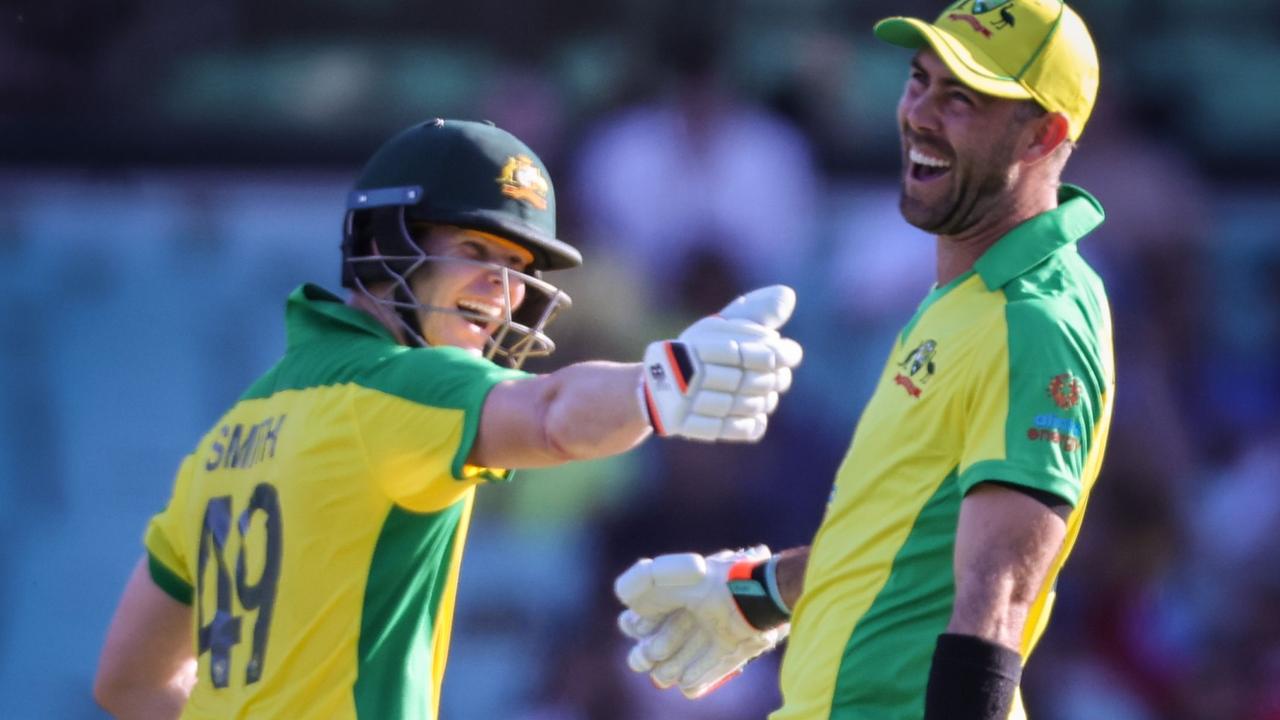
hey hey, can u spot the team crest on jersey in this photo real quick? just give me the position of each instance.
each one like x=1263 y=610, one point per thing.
x=1065 y=391
x=523 y=180
x=968 y=12
x=919 y=368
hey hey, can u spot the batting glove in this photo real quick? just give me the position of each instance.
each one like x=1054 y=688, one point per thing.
x=688 y=616
x=721 y=378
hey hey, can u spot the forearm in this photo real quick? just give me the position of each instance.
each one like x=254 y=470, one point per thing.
x=593 y=410
x=1006 y=543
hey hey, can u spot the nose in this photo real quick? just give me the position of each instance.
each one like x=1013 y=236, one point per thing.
x=515 y=285
x=918 y=112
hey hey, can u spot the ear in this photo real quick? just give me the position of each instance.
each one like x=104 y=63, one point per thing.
x=1049 y=131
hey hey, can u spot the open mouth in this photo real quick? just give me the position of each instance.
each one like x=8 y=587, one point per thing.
x=926 y=167
x=480 y=314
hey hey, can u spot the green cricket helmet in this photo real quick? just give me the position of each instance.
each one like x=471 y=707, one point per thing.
x=466 y=174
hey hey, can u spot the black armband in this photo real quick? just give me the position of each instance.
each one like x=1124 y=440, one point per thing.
x=971 y=679
x=755 y=590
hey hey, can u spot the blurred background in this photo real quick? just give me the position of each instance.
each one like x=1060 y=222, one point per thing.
x=170 y=171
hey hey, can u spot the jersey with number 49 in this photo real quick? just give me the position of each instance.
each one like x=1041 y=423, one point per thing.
x=317 y=530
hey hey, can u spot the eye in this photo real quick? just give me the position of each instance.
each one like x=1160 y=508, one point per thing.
x=960 y=97
x=472 y=249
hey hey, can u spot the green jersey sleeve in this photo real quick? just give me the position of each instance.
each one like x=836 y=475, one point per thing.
x=1035 y=405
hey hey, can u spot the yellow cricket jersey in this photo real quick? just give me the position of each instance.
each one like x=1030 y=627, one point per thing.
x=317 y=529
x=1004 y=374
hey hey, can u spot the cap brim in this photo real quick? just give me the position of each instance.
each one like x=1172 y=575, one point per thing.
x=968 y=63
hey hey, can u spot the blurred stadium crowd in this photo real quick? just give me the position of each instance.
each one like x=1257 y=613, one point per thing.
x=169 y=172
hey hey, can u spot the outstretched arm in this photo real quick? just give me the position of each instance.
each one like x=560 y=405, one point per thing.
x=581 y=411
x=147 y=667
x=719 y=380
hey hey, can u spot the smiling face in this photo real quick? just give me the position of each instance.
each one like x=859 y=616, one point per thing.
x=961 y=150
x=465 y=293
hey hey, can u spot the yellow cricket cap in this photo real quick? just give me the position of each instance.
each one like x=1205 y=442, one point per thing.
x=1018 y=49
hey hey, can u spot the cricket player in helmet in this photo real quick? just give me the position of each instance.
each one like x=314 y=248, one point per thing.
x=306 y=565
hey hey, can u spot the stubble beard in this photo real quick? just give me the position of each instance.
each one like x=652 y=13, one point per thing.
x=968 y=200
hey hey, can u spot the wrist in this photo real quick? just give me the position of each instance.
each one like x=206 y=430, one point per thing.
x=971 y=678
x=754 y=587
x=644 y=398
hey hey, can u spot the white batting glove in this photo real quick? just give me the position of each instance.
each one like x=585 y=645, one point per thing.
x=721 y=378
x=688 y=628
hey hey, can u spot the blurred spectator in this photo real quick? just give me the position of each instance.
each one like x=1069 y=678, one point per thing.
x=697 y=185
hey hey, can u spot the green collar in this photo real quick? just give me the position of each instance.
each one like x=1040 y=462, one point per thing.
x=311 y=310
x=1025 y=246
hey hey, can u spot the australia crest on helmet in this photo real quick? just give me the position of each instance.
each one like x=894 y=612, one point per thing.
x=522 y=179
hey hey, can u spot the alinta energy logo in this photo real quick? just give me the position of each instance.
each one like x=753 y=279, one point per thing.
x=1065 y=391
x=919 y=359
x=1063 y=432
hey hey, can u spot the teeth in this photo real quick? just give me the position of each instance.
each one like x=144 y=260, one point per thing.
x=481 y=308
x=922 y=159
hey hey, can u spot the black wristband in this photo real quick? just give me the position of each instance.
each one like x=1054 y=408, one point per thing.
x=754 y=599
x=971 y=679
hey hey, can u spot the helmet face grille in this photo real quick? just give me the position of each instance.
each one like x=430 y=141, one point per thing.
x=520 y=333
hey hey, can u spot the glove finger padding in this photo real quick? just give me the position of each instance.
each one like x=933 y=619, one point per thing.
x=637 y=660
x=708 y=673
x=637 y=626
x=789 y=353
x=647 y=585
x=719 y=378
x=696 y=645
x=744 y=429
x=721 y=405
x=670 y=637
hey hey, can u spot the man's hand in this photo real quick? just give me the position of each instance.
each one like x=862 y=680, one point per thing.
x=688 y=627
x=721 y=378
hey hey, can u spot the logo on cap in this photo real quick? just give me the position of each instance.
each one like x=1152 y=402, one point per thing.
x=523 y=180
x=981 y=7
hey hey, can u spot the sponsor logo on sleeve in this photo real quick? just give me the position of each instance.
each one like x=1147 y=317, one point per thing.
x=1060 y=431
x=1065 y=390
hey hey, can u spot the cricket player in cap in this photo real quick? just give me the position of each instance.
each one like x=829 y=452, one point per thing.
x=932 y=575
x=307 y=561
